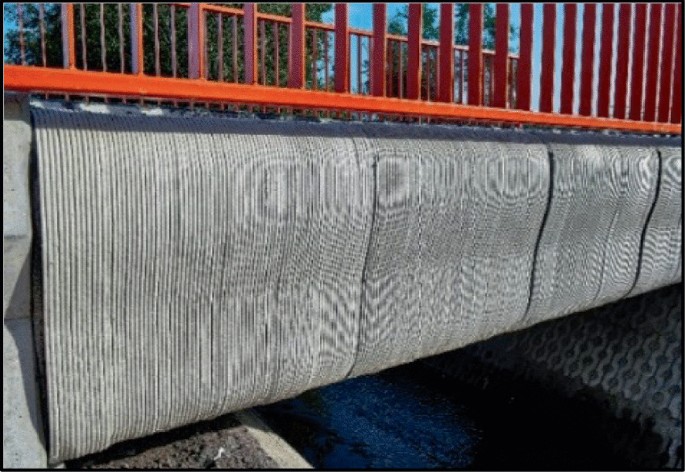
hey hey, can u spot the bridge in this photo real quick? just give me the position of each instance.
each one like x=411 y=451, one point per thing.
x=183 y=242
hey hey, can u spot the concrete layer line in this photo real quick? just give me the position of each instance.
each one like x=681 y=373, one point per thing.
x=200 y=265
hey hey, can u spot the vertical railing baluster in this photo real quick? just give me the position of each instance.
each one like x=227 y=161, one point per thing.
x=220 y=52
x=172 y=29
x=342 y=48
x=155 y=25
x=277 y=47
x=622 y=56
x=103 y=44
x=262 y=50
x=400 y=92
x=277 y=62
x=588 y=59
x=196 y=42
x=549 y=18
x=414 y=54
x=389 y=67
x=429 y=72
x=68 y=36
x=205 y=46
x=462 y=77
x=296 y=50
x=510 y=82
x=43 y=49
x=524 y=70
x=122 y=56
x=234 y=26
x=676 y=102
x=637 y=73
x=359 y=64
x=652 y=61
x=446 y=54
x=380 y=16
x=136 y=38
x=84 y=55
x=475 y=78
x=500 y=72
x=491 y=83
x=325 y=60
x=667 y=63
x=315 y=59
x=568 y=64
x=605 y=60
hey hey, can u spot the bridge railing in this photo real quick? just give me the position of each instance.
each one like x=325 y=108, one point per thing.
x=623 y=72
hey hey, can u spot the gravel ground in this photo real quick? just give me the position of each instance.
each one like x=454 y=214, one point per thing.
x=222 y=443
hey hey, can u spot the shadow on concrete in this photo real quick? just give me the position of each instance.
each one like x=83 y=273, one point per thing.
x=213 y=122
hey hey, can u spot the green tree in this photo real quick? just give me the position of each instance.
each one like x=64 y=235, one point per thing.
x=32 y=41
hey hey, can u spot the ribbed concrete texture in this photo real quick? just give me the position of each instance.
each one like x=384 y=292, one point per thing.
x=197 y=265
x=662 y=257
x=589 y=250
x=457 y=216
x=194 y=267
x=624 y=358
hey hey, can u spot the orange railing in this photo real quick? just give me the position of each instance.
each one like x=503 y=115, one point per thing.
x=244 y=56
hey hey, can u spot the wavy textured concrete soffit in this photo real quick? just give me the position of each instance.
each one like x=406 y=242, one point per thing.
x=193 y=267
x=625 y=357
x=589 y=251
x=456 y=219
x=662 y=257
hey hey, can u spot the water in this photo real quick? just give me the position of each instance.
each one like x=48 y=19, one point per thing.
x=411 y=417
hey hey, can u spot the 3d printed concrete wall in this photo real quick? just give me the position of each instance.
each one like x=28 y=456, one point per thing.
x=196 y=265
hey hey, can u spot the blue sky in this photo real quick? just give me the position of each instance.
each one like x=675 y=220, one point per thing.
x=361 y=17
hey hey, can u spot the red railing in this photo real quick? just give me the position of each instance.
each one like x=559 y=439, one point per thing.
x=244 y=56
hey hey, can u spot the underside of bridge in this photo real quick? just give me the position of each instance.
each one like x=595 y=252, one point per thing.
x=187 y=265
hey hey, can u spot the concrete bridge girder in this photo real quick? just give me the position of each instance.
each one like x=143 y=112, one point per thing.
x=199 y=265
